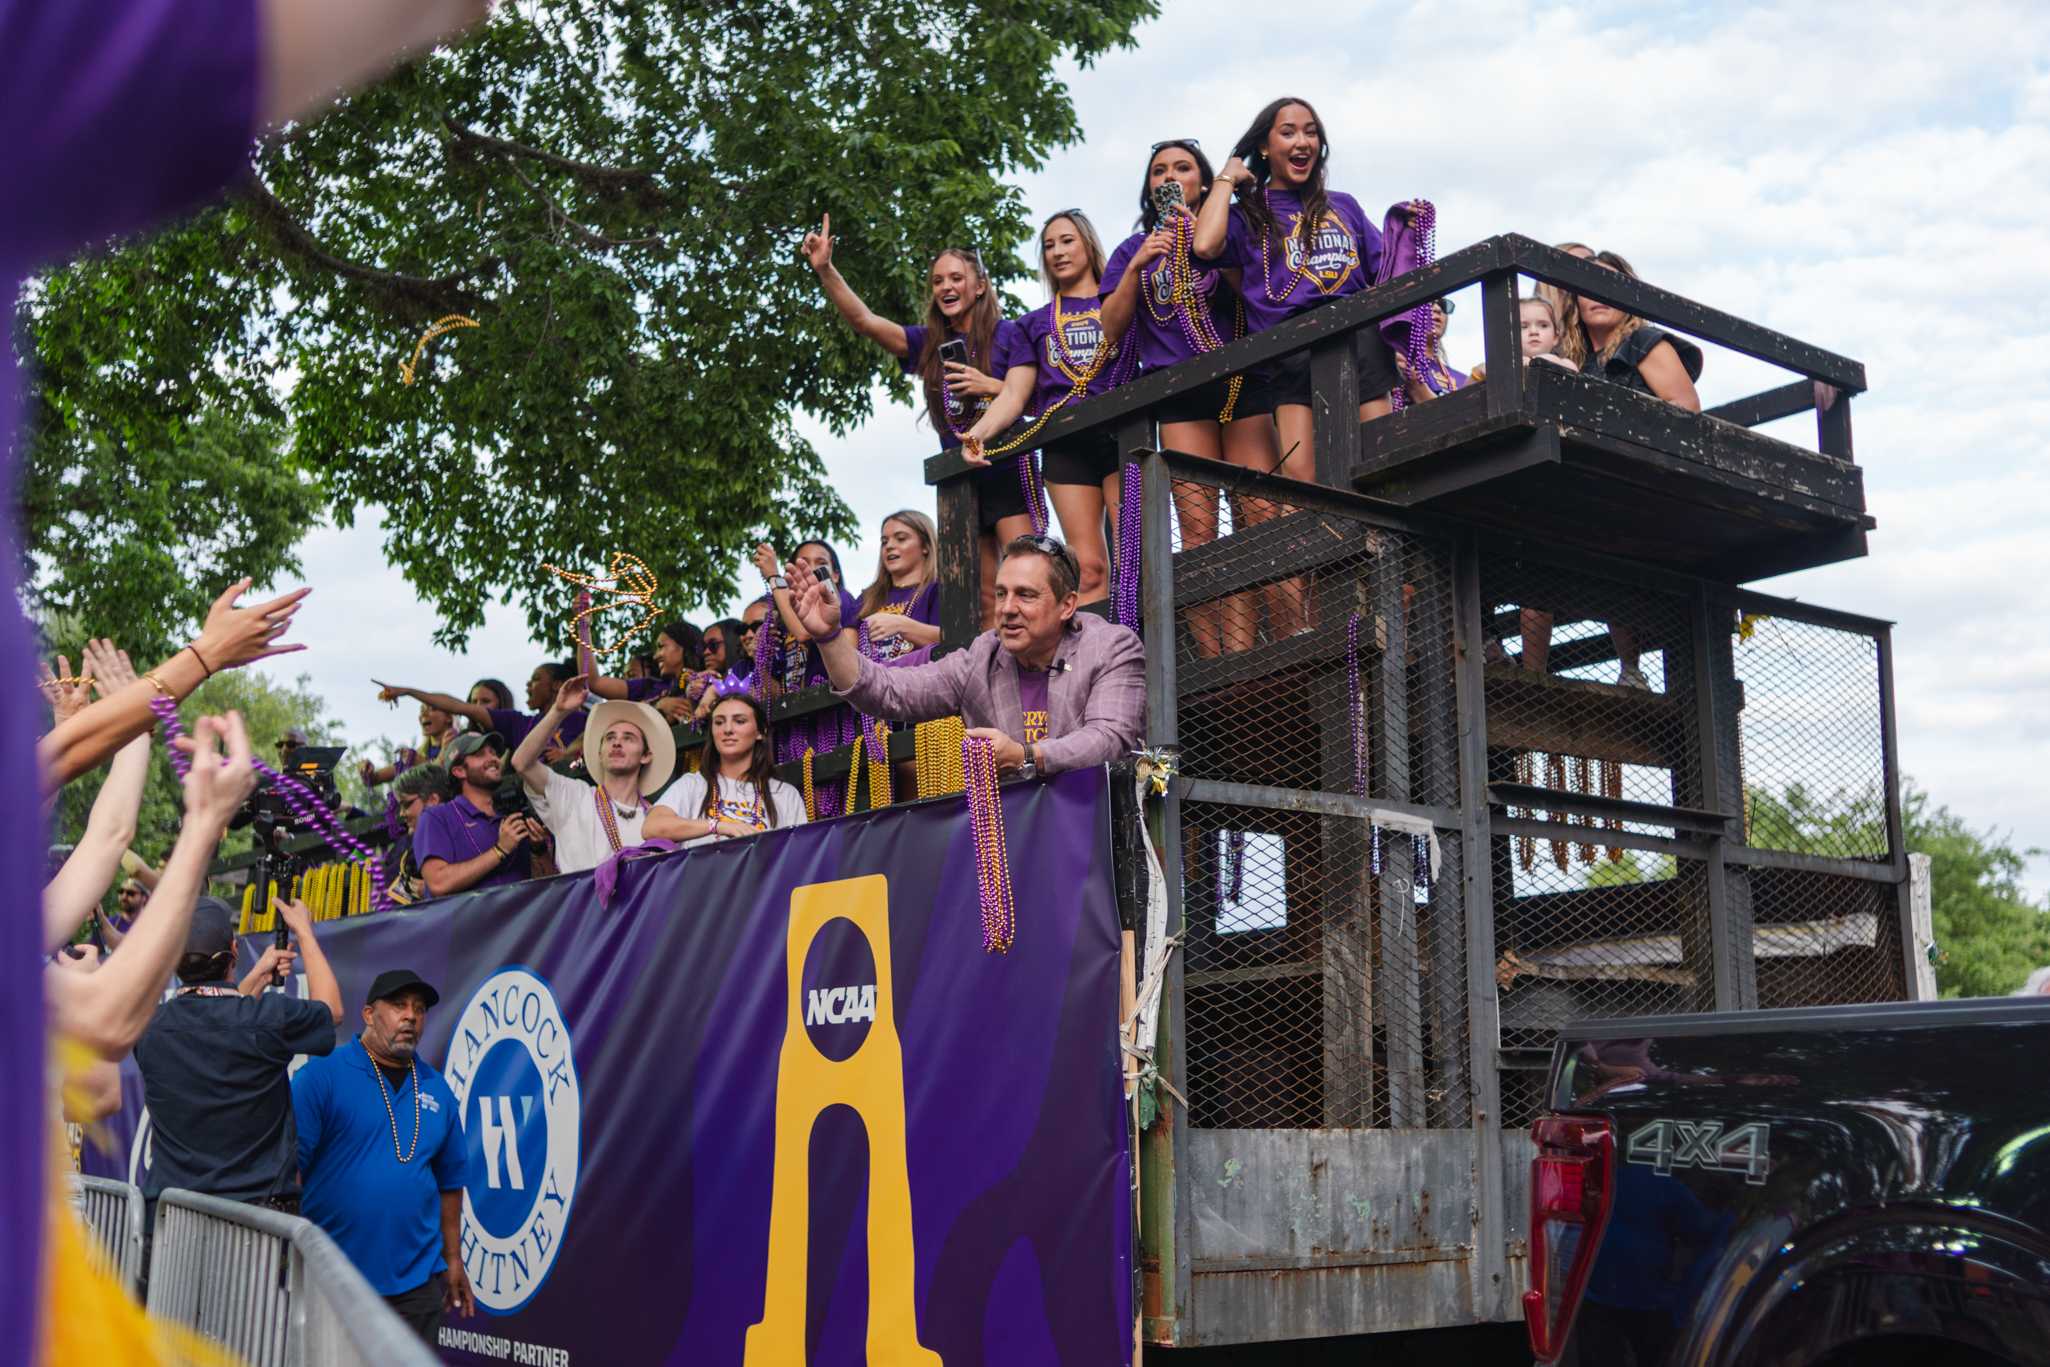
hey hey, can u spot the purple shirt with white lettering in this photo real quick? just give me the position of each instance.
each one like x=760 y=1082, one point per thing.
x=1008 y=347
x=1344 y=256
x=114 y=114
x=1066 y=357
x=1161 y=336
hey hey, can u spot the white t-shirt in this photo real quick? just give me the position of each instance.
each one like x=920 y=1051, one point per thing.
x=737 y=802
x=568 y=808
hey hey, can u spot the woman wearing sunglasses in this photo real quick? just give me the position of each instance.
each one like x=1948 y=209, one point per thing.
x=1078 y=358
x=1178 y=307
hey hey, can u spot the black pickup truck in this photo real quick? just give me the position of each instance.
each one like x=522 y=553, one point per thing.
x=1839 y=1185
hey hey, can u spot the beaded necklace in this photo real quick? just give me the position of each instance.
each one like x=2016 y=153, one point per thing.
x=1191 y=311
x=1307 y=233
x=1078 y=382
x=992 y=856
x=413 y=1072
x=608 y=817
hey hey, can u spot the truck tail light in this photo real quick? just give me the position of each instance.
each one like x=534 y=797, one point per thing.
x=1571 y=1184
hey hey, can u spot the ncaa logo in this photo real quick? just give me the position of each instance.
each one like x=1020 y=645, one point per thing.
x=515 y=1081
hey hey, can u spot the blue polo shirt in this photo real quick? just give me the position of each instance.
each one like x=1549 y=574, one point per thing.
x=384 y=1214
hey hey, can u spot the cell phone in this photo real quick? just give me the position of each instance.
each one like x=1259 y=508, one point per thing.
x=953 y=351
x=822 y=574
x=1168 y=197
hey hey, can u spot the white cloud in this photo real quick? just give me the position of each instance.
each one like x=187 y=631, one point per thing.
x=1869 y=179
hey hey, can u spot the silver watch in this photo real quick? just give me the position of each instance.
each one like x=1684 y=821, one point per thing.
x=777 y=581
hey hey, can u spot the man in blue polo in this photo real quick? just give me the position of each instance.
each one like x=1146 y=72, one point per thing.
x=382 y=1154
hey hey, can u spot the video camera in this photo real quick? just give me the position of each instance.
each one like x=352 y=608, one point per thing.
x=274 y=821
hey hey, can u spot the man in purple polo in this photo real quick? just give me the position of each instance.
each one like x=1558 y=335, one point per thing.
x=1049 y=688
x=464 y=843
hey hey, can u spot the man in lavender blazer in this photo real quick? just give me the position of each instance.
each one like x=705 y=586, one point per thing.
x=1050 y=689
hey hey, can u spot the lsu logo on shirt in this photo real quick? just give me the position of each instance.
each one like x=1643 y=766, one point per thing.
x=1334 y=254
x=747 y=813
x=1081 y=337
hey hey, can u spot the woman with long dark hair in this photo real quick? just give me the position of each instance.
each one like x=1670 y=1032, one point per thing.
x=1299 y=244
x=674 y=689
x=1179 y=307
x=736 y=792
x=968 y=401
x=1079 y=357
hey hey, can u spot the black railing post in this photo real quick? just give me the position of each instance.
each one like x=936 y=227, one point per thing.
x=1833 y=428
x=1502 y=339
x=1335 y=410
x=960 y=562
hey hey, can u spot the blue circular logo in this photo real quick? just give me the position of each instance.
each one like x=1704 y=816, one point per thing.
x=839 y=989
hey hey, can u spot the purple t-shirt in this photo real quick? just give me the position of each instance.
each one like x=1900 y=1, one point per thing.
x=1032 y=702
x=1161 y=335
x=921 y=603
x=1344 y=256
x=1064 y=358
x=514 y=726
x=457 y=831
x=114 y=115
x=1008 y=348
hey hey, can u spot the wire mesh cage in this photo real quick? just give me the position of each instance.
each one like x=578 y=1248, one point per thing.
x=1824 y=940
x=1590 y=930
x=1812 y=747
x=1590 y=685
x=1313 y=646
x=1318 y=992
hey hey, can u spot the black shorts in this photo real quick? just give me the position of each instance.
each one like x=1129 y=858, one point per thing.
x=1289 y=381
x=1088 y=459
x=998 y=494
x=1206 y=403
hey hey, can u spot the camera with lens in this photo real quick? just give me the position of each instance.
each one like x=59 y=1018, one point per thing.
x=273 y=821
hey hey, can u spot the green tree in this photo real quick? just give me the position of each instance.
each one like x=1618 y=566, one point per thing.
x=614 y=192
x=1990 y=933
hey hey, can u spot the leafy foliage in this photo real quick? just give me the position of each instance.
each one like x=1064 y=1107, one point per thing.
x=615 y=192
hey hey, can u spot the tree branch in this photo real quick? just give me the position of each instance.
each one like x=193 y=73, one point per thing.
x=412 y=295
x=558 y=215
x=582 y=170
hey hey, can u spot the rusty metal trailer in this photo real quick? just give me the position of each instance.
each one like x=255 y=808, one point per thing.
x=1398 y=854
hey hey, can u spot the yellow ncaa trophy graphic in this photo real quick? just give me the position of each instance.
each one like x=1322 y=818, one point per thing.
x=854 y=1060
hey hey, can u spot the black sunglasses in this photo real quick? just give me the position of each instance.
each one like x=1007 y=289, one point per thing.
x=1196 y=143
x=1047 y=545
x=1446 y=305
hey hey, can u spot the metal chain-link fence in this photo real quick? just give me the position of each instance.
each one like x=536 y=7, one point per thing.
x=1318 y=992
x=1813 y=753
x=1313 y=647
x=1824 y=940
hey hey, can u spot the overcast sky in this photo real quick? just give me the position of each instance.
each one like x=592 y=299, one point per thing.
x=1874 y=179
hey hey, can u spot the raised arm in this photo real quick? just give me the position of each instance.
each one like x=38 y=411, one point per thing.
x=818 y=251
x=108 y=1010
x=476 y=713
x=1007 y=407
x=526 y=758
x=316 y=50
x=1213 y=222
x=76 y=890
x=1123 y=298
x=232 y=637
x=912 y=693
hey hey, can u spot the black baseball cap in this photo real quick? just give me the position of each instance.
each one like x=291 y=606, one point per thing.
x=393 y=981
x=470 y=742
x=212 y=930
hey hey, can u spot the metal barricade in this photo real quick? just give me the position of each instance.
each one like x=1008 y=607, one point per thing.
x=271 y=1288
x=113 y=1216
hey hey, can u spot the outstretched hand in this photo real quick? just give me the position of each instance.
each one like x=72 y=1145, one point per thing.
x=236 y=636
x=220 y=777
x=818 y=608
x=109 y=666
x=67 y=696
x=818 y=244
x=570 y=697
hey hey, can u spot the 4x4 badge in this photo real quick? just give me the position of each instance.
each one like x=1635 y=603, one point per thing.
x=1669 y=1144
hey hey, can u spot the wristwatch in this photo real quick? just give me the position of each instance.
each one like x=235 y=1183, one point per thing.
x=1030 y=768
x=777 y=581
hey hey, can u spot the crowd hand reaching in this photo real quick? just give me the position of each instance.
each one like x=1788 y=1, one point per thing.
x=109 y=666
x=767 y=561
x=966 y=382
x=66 y=696
x=818 y=244
x=234 y=636
x=220 y=777
x=570 y=697
x=388 y=693
x=818 y=608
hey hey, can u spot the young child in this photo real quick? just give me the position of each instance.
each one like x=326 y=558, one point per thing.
x=1541 y=334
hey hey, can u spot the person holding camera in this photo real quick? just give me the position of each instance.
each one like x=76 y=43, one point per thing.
x=214 y=1062
x=465 y=843
x=633 y=755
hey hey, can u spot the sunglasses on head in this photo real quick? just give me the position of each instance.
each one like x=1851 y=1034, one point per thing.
x=1047 y=545
x=1196 y=143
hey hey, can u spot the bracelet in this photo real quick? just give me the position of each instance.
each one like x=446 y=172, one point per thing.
x=162 y=688
x=202 y=660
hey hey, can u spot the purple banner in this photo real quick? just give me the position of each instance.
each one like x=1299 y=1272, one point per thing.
x=776 y=1105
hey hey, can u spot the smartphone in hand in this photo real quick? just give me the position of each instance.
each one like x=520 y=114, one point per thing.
x=954 y=351
x=1168 y=197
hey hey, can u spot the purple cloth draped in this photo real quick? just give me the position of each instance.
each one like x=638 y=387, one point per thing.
x=113 y=115
x=605 y=880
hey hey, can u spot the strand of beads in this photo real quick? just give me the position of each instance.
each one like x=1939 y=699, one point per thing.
x=992 y=855
x=1131 y=546
x=304 y=805
x=1035 y=491
x=1356 y=707
x=874 y=735
x=936 y=751
x=1424 y=221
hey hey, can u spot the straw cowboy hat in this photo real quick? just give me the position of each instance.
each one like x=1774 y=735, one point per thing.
x=661 y=744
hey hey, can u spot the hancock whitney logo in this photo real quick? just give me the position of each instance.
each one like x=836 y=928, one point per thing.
x=515 y=1081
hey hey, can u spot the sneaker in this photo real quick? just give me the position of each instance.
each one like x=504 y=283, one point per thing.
x=1633 y=678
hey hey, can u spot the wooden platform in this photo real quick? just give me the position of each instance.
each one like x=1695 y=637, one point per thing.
x=1590 y=464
